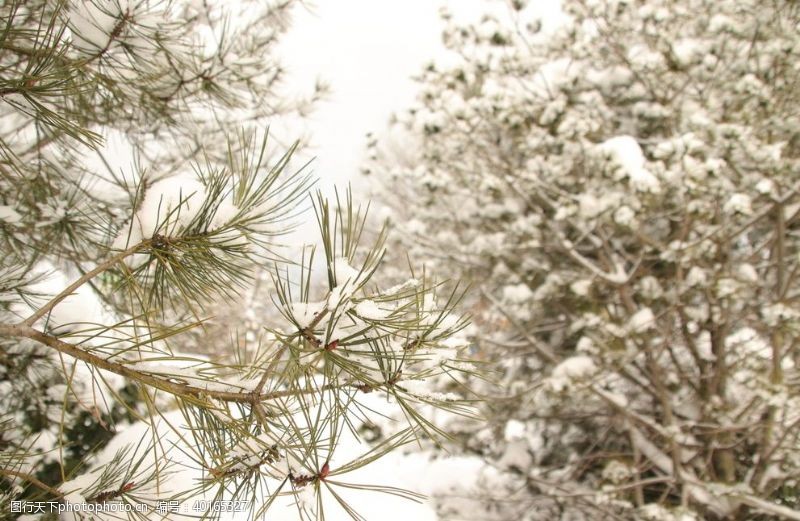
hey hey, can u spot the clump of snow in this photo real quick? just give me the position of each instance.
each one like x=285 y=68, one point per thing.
x=616 y=471
x=747 y=273
x=514 y=430
x=697 y=276
x=589 y=206
x=370 y=310
x=306 y=498
x=719 y=23
x=409 y=284
x=223 y=214
x=305 y=312
x=74 y=487
x=615 y=330
x=746 y=340
x=727 y=287
x=571 y=370
x=551 y=76
x=624 y=216
x=627 y=155
x=684 y=144
x=738 y=203
x=642 y=180
x=9 y=215
x=287 y=463
x=516 y=455
x=170 y=203
x=565 y=211
x=585 y=345
x=82 y=306
x=688 y=50
x=344 y=272
x=765 y=187
x=442 y=397
x=168 y=206
x=422 y=389
x=517 y=293
x=643 y=56
x=775 y=314
x=654 y=512
x=650 y=288
x=348 y=280
x=641 y=321
x=257 y=451
x=581 y=287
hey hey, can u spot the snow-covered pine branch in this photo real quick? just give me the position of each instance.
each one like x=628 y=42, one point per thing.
x=137 y=200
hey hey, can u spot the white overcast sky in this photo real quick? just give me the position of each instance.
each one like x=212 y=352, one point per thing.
x=367 y=50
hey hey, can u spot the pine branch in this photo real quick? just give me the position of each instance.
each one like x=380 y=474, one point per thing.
x=180 y=389
x=33 y=480
x=100 y=268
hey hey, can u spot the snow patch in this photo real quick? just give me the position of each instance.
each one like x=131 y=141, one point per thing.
x=738 y=203
x=305 y=312
x=371 y=310
x=582 y=287
x=517 y=293
x=514 y=430
x=9 y=214
x=93 y=22
x=570 y=371
x=641 y=321
x=697 y=276
x=627 y=155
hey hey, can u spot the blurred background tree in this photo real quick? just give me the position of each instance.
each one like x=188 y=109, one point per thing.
x=622 y=193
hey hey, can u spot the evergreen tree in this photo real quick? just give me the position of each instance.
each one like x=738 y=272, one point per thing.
x=105 y=269
x=623 y=194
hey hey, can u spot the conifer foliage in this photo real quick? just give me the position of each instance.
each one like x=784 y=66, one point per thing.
x=104 y=267
x=623 y=193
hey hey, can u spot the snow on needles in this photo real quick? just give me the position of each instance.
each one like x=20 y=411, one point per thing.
x=169 y=207
x=370 y=310
x=348 y=281
x=304 y=313
x=93 y=23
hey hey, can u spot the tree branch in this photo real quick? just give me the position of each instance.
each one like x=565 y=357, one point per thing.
x=100 y=268
x=182 y=389
x=32 y=480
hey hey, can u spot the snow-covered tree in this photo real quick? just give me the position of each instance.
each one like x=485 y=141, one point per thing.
x=622 y=191
x=105 y=267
